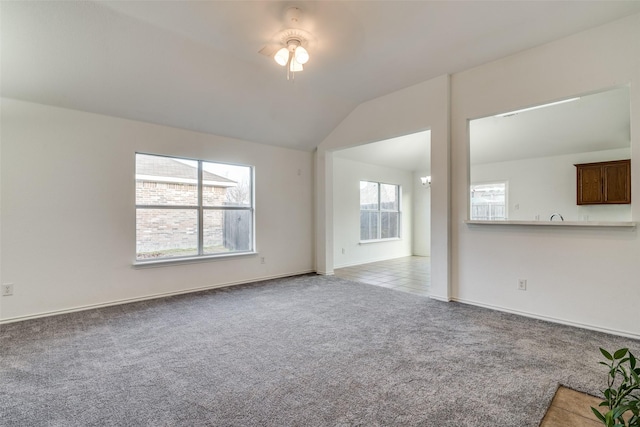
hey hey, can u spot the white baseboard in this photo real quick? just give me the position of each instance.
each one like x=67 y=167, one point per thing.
x=439 y=298
x=552 y=319
x=146 y=297
x=325 y=273
x=258 y=279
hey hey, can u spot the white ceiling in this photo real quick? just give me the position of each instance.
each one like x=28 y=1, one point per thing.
x=195 y=64
x=410 y=152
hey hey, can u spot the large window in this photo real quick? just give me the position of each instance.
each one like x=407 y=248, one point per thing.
x=489 y=201
x=379 y=211
x=192 y=208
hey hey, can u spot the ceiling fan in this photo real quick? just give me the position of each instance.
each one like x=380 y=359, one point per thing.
x=288 y=47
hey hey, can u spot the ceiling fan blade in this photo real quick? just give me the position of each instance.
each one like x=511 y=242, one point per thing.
x=270 y=49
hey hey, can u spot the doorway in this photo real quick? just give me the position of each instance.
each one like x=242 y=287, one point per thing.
x=402 y=162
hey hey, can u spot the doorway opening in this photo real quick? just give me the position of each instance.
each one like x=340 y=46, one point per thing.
x=397 y=169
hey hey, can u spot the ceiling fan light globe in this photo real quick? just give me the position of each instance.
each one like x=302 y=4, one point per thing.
x=282 y=56
x=301 y=55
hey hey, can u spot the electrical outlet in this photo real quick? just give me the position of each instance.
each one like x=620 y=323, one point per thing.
x=7 y=289
x=261 y=260
x=522 y=284
x=342 y=251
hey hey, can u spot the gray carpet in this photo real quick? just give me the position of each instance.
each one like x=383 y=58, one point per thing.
x=302 y=351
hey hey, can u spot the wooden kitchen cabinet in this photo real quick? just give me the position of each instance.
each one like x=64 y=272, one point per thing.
x=604 y=183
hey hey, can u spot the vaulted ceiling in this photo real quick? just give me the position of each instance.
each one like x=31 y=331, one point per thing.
x=195 y=64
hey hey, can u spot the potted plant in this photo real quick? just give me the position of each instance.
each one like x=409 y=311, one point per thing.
x=622 y=395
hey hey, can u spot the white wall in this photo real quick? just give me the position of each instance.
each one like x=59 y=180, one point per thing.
x=577 y=275
x=540 y=187
x=68 y=210
x=347 y=175
x=421 y=216
x=416 y=108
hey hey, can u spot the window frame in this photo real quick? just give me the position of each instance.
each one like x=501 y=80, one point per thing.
x=200 y=207
x=379 y=211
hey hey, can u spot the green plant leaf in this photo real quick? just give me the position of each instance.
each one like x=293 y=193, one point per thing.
x=618 y=412
x=620 y=353
x=598 y=414
x=609 y=420
x=606 y=354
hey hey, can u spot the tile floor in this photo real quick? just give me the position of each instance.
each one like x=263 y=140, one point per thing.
x=410 y=274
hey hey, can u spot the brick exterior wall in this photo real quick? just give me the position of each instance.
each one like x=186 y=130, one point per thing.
x=161 y=230
x=167 y=193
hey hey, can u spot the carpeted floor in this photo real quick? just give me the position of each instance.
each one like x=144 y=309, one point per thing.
x=302 y=351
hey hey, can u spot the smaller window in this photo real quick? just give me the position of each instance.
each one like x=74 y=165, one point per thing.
x=379 y=211
x=489 y=201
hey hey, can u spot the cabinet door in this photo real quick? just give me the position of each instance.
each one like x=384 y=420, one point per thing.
x=617 y=183
x=590 y=185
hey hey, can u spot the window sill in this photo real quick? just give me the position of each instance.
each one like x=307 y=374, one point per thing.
x=366 y=242
x=556 y=223
x=189 y=260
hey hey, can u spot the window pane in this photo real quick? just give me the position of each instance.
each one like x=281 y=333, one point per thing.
x=368 y=195
x=227 y=230
x=488 y=201
x=388 y=197
x=226 y=185
x=166 y=233
x=368 y=225
x=166 y=181
x=389 y=227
